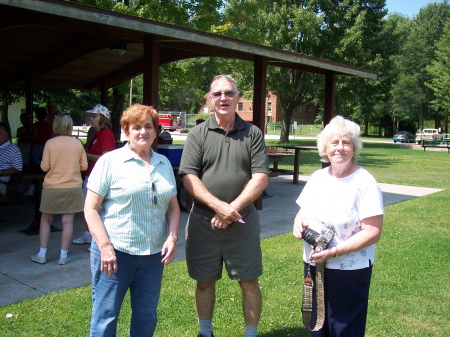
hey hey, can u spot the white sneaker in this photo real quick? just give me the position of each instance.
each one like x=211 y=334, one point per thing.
x=84 y=238
x=63 y=261
x=38 y=259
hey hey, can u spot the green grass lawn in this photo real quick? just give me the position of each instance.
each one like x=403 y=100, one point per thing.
x=409 y=291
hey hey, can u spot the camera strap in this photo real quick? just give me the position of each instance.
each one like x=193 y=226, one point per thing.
x=307 y=304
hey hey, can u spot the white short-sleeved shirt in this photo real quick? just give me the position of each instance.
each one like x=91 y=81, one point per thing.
x=135 y=225
x=10 y=156
x=341 y=203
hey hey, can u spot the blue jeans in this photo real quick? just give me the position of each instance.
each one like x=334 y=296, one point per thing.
x=142 y=274
x=36 y=152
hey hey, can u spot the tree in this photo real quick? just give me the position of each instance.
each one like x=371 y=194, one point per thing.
x=363 y=45
x=340 y=31
x=439 y=71
x=393 y=36
x=9 y=94
x=410 y=94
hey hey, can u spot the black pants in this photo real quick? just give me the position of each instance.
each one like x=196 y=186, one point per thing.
x=346 y=302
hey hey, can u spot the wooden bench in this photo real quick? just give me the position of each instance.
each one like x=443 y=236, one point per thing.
x=436 y=143
x=17 y=186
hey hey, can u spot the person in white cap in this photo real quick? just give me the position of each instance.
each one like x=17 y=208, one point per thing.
x=102 y=141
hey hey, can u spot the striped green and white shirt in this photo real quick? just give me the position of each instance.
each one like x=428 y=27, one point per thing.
x=134 y=223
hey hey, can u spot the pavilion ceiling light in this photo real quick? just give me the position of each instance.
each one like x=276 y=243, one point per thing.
x=118 y=49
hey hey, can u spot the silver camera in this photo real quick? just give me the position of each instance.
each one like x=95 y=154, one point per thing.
x=319 y=240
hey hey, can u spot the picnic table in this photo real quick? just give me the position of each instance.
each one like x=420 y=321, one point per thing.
x=297 y=149
x=276 y=154
x=436 y=143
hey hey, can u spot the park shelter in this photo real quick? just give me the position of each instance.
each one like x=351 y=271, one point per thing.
x=60 y=44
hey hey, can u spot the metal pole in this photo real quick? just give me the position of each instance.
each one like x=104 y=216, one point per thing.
x=131 y=91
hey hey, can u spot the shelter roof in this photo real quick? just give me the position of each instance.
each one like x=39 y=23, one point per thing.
x=66 y=45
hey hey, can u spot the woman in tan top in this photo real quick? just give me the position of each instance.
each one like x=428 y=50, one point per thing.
x=63 y=160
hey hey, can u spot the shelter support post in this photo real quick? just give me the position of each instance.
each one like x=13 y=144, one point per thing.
x=29 y=96
x=104 y=98
x=259 y=93
x=259 y=102
x=330 y=96
x=151 y=70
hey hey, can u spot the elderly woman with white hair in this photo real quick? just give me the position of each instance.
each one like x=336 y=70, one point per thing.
x=346 y=198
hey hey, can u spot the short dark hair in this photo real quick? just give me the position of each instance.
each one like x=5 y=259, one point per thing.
x=4 y=126
x=41 y=113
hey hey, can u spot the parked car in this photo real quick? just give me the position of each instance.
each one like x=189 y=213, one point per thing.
x=404 y=137
x=428 y=134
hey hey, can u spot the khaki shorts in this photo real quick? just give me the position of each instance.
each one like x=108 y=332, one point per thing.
x=238 y=247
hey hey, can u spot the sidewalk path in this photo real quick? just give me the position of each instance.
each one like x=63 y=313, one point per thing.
x=20 y=278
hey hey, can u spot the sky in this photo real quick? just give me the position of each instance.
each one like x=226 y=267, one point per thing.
x=407 y=7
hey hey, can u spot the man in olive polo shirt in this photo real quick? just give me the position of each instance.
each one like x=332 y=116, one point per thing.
x=225 y=168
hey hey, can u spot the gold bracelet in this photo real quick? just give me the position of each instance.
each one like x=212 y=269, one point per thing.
x=173 y=237
x=337 y=251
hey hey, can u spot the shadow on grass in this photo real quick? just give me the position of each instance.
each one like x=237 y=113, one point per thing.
x=287 y=332
x=373 y=155
x=387 y=146
x=374 y=160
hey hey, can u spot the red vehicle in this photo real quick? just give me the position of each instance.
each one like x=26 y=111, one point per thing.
x=170 y=120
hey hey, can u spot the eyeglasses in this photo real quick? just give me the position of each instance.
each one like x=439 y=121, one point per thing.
x=228 y=94
x=155 y=198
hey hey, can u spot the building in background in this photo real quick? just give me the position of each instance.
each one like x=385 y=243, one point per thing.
x=14 y=112
x=304 y=114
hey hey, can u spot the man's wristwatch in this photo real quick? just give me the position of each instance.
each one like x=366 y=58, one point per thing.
x=174 y=238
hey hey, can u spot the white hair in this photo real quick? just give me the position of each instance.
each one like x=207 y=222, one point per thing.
x=342 y=127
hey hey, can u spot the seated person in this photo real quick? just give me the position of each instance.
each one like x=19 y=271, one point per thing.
x=10 y=159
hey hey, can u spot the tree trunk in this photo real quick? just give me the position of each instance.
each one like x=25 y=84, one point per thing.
x=379 y=127
x=446 y=124
x=420 y=117
x=437 y=119
x=366 y=127
x=284 y=135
